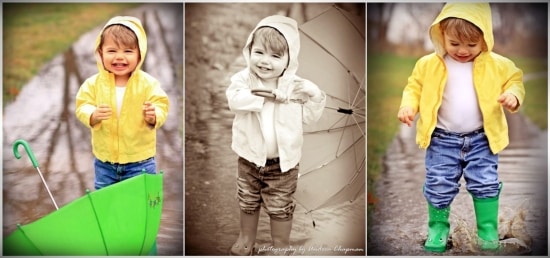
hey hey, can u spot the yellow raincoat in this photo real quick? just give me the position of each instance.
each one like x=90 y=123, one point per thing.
x=125 y=138
x=493 y=75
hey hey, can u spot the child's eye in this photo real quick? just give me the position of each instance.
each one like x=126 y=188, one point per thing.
x=472 y=45
x=276 y=56
x=258 y=52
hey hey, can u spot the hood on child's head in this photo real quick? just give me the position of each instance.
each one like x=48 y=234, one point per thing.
x=477 y=13
x=288 y=27
x=133 y=24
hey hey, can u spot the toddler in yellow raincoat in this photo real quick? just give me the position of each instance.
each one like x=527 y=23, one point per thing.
x=460 y=92
x=121 y=104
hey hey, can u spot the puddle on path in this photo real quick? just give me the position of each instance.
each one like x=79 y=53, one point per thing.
x=399 y=224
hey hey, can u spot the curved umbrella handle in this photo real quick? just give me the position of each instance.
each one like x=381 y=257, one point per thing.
x=34 y=163
x=263 y=93
x=27 y=149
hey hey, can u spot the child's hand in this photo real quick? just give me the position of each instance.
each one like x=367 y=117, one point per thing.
x=508 y=100
x=406 y=115
x=280 y=96
x=102 y=112
x=307 y=88
x=149 y=113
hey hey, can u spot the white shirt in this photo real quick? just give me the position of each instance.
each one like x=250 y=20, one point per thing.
x=119 y=97
x=459 y=111
x=267 y=116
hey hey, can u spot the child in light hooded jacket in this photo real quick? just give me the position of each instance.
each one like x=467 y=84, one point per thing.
x=271 y=103
x=460 y=92
x=122 y=105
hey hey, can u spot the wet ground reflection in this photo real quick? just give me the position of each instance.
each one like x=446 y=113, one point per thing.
x=399 y=224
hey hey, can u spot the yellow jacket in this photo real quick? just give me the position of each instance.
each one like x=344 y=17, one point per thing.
x=127 y=138
x=493 y=75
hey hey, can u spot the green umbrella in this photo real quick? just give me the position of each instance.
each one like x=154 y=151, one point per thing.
x=120 y=219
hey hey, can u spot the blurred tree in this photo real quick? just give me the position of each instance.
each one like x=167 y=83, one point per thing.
x=379 y=16
x=518 y=28
x=521 y=28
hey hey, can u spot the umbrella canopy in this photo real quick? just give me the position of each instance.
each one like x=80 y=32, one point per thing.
x=332 y=54
x=120 y=219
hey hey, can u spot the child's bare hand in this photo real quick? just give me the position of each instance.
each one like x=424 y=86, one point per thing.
x=406 y=115
x=280 y=96
x=149 y=113
x=306 y=88
x=102 y=112
x=508 y=100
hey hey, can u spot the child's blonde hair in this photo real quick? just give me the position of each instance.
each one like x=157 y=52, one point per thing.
x=121 y=35
x=270 y=38
x=463 y=30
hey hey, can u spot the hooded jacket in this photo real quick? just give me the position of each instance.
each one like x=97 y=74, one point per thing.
x=493 y=75
x=125 y=138
x=248 y=140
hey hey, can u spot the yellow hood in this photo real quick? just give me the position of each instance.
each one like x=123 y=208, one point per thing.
x=477 y=13
x=132 y=23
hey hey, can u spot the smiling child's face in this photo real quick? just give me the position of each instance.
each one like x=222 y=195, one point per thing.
x=118 y=59
x=265 y=63
x=462 y=51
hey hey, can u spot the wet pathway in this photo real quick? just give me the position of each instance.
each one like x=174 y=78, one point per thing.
x=211 y=208
x=43 y=115
x=399 y=223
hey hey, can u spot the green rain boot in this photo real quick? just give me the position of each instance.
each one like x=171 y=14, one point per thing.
x=438 y=229
x=487 y=222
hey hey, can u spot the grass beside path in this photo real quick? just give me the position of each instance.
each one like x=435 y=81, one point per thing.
x=387 y=76
x=34 y=33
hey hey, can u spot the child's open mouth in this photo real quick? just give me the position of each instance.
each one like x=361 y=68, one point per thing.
x=119 y=66
x=264 y=68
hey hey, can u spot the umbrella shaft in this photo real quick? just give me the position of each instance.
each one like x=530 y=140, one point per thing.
x=48 y=189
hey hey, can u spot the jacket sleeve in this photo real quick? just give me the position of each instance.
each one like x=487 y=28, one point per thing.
x=514 y=83
x=312 y=110
x=239 y=97
x=159 y=98
x=413 y=89
x=86 y=103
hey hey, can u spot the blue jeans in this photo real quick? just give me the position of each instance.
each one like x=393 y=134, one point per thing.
x=451 y=155
x=108 y=173
x=268 y=187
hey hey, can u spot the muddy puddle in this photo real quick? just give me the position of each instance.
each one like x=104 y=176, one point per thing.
x=399 y=224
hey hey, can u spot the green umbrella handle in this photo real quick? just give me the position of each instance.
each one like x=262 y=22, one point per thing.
x=34 y=163
x=27 y=149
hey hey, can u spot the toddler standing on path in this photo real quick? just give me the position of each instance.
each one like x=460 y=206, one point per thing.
x=270 y=103
x=460 y=92
x=121 y=104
